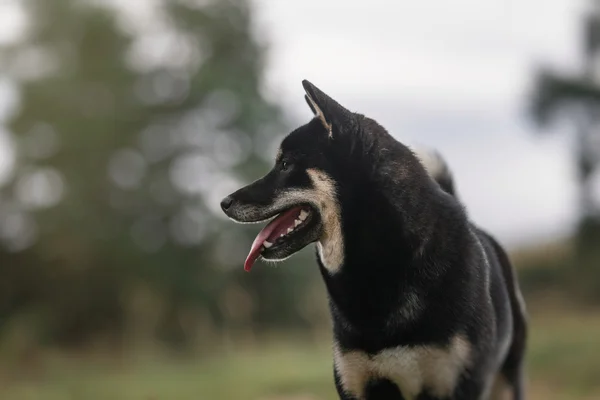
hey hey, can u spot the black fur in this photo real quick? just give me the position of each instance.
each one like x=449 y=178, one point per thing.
x=416 y=271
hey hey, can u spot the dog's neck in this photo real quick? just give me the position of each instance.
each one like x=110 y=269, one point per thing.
x=390 y=241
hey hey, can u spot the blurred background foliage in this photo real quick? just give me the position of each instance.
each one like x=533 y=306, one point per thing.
x=124 y=131
x=576 y=98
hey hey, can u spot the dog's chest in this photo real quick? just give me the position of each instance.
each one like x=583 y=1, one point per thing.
x=412 y=369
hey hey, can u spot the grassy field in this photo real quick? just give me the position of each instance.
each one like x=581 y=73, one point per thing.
x=564 y=363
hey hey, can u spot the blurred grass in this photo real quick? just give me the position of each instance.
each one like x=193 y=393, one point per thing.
x=563 y=363
x=265 y=373
x=564 y=355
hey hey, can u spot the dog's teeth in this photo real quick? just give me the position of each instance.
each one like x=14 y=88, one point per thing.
x=267 y=244
x=282 y=235
x=289 y=230
x=303 y=215
x=297 y=222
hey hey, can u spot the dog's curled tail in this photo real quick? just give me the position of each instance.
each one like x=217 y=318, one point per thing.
x=437 y=168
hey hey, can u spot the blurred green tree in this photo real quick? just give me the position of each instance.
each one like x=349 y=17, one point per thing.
x=132 y=121
x=578 y=97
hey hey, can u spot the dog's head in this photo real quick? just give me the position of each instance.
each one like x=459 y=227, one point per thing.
x=300 y=195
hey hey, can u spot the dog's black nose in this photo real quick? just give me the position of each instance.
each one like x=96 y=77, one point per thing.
x=226 y=203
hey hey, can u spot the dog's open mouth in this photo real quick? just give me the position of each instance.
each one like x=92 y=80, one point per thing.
x=278 y=232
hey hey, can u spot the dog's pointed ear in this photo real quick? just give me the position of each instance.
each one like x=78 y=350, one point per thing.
x=311 y=104
x=329 y=111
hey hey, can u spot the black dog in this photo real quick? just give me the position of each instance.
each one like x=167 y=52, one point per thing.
x=424 y=304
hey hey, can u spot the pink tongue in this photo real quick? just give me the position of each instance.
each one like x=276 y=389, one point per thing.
x=271 y=232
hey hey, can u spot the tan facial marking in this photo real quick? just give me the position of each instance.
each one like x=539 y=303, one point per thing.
x=322 y=196
x=411 y=368
x=331 y=244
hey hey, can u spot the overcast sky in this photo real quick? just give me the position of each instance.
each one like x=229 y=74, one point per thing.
x=452 y=74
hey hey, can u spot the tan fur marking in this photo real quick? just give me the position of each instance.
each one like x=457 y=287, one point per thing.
x=354 y=370
x=501 y=390
x=322 y=196
x=412 y=369
x=321 y=116
x=331 y=244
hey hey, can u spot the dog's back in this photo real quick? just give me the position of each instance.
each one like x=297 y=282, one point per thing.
x=504 y=287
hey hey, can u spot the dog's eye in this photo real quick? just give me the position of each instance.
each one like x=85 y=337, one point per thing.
x=284 y=165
